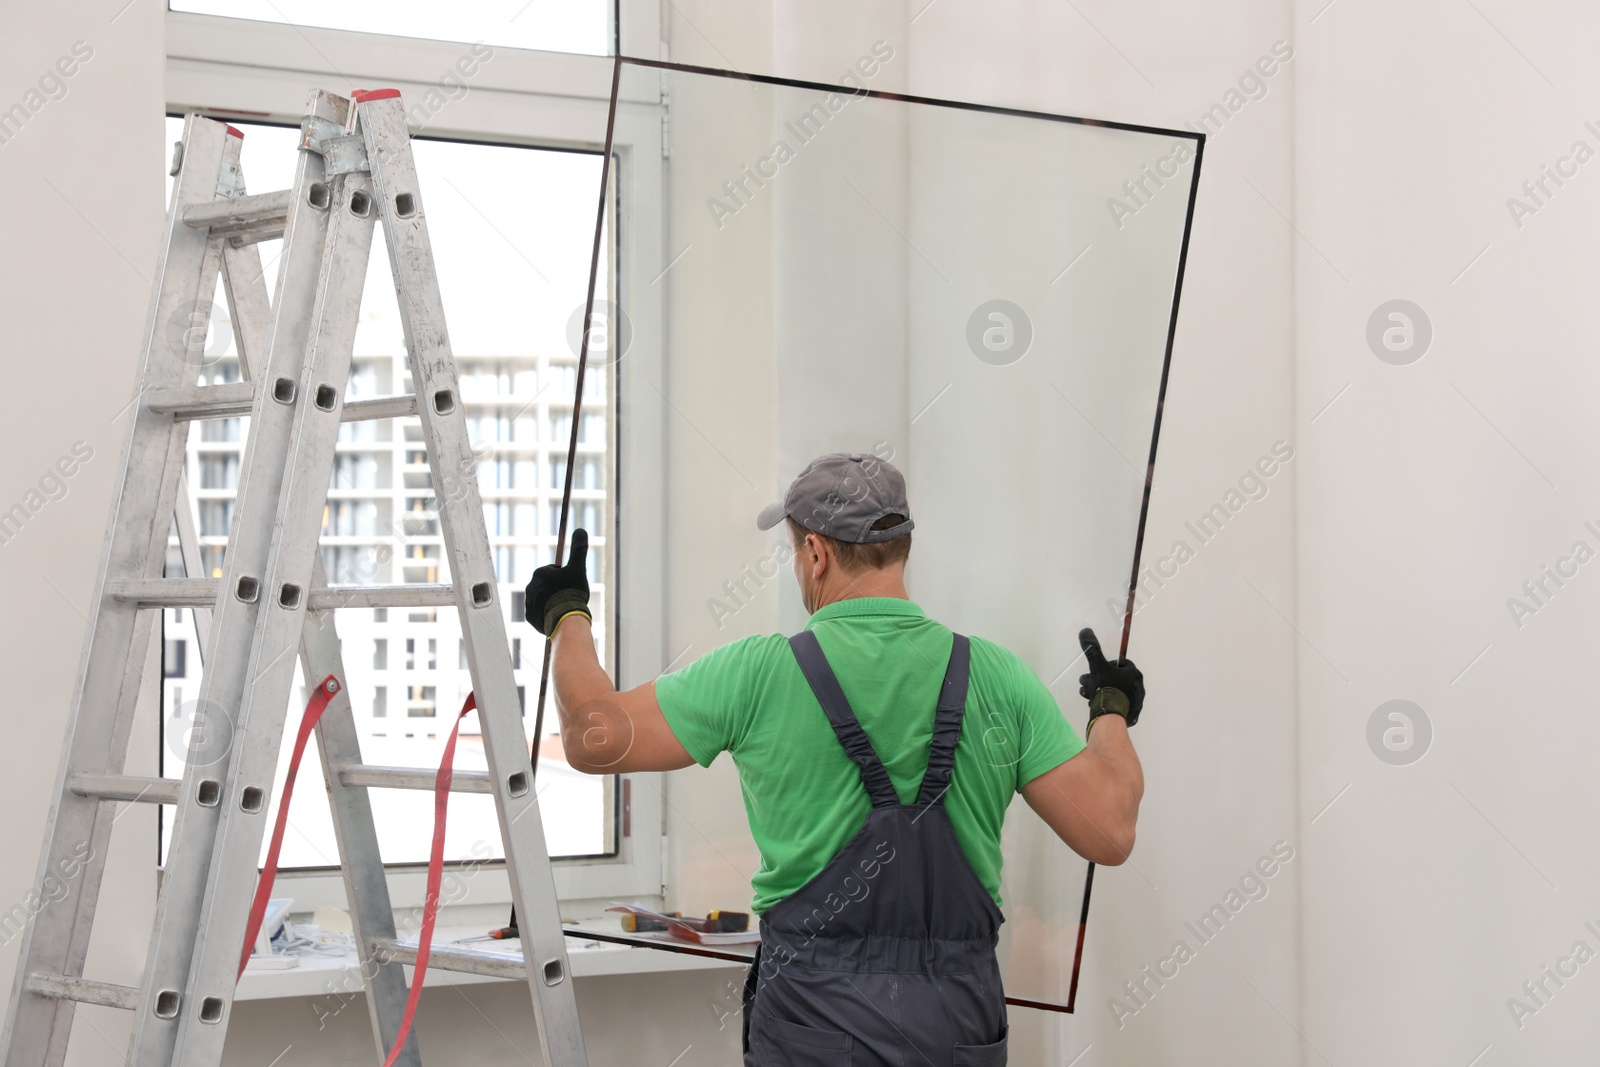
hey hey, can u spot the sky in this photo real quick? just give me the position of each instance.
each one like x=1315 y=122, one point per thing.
x=512 y=230
x=549 y=25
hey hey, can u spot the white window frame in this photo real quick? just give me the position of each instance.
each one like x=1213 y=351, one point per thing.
x=263 y=72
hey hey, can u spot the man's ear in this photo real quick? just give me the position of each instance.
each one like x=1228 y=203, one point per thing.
x=815 y=551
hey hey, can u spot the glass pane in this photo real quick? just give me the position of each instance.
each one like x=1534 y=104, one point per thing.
x=983 y=298
x=582 y=26
x=511 y=231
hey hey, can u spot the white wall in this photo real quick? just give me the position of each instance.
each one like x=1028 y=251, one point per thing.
x=1429 y=494
x=80 y=189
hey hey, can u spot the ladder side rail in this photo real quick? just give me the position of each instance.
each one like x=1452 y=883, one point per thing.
x=111 y=669
x=183 y=517
x=183 y=508
x=383 y=127
x=244 y=285
x=242 y=599
x=366 y=883
x=286 y=581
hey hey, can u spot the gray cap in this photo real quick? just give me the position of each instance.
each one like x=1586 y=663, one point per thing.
x=840 y=495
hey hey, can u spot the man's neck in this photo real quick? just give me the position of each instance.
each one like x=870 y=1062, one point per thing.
x=883 y=582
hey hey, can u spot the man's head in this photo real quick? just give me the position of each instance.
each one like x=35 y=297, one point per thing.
x=851 y=526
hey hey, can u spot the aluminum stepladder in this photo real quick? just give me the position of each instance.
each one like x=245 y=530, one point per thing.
x=354 y=170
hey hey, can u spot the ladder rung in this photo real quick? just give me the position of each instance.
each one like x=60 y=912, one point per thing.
x=384 y=407
x=84 y=990
x=270 y=230
x=187 y=402
x=165 y=592
x=128 y=787
x=454 y=958
x=202 y=593
x=235 y=213
x=383 y=596
x=184 y=402
x=410 y=778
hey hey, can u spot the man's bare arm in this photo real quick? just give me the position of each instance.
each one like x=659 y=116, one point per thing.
x=1092 y=800
x=602 y=730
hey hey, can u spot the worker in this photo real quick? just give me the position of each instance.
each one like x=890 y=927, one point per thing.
x=878 y=753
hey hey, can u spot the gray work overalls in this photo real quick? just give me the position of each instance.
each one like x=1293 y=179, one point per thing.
x=887 y=956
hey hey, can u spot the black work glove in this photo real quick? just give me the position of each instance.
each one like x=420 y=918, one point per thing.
x=555 y=590
x=1111 y=688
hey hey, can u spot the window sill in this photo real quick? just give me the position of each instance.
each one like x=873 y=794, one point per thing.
x=340 y=976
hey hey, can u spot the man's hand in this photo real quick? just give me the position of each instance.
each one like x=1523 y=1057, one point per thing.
x=556 y=591
x=1111 y=688
x=1092 y=800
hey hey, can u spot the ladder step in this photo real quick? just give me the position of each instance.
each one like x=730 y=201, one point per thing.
x=496 y=963
x=128 y=787
x=165 y=592
x=189 y=402
x=235 y=214
x=84 y=990
x=383 y=407
x=411 y=778
x=383 y=596
x=202 y=593
x=185 y=402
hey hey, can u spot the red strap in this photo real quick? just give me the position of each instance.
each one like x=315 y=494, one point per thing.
x=320 y=698
x=325 y=692
x=430 y=902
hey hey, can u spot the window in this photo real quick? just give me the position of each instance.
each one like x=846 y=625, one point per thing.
x=173 y=659
x=421 y=701
x=353 y=565
x=358 y=470
x=216 y=516
x=219 y=471
x=220 y=430
x=350 y=518
x=484 y=283
x=511 y=225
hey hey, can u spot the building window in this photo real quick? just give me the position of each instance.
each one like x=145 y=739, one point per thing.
x=174 y=659
x=220 y=430
x=219 y=470
x=216 y=517
x=380 y=701
x=421 y=701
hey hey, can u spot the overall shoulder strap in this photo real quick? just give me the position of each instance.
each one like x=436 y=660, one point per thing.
x=947 y=723
x=814 y=665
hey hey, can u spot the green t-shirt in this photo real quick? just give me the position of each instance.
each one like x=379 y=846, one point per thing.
x=803 y=794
